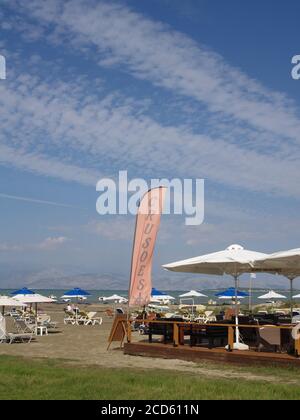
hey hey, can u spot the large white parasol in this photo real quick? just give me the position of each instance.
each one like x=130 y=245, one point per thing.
x=271 y=295
x=285 y=263
x=34 y=299
x=234 y=261
x=6 y=301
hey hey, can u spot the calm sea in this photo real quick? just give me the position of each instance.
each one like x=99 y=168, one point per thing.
x=95 y=294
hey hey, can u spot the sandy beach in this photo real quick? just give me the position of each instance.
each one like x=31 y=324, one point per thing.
x=84 y=345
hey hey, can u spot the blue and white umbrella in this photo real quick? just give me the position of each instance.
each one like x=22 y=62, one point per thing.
x=76 y=293
x=158 y=296
x=230 y=293
x=23 y=292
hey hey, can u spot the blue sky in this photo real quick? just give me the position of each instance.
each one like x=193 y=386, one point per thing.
x=163 y=88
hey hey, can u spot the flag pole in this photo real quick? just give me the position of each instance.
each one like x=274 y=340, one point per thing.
x=131 y=266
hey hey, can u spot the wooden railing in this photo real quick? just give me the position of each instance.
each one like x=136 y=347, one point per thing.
x=231 y=330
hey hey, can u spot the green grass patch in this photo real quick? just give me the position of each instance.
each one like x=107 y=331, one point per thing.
x=43 y=379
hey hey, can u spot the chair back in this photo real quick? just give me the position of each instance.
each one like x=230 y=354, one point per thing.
x=23 y=327
x=43 y=318
x=91 y=315
x=10 y=324
x=2 y=328
x=271 y=335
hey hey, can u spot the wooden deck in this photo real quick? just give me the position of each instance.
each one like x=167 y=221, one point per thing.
x=198 y=354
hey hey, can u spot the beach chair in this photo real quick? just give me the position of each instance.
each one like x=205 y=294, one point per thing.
x=2 y=329
x=91 y=319
x=269 y=338
x=70 y=318
x=45 y=321
x=81 y=318
x=24 y=327
x=14 y=335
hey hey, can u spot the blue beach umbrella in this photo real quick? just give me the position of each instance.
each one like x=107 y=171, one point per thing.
x=156 y=292
x=231 y=294
x=76 y=293
x=23 y=291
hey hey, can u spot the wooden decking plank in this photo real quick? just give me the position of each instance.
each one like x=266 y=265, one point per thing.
x=197 y=354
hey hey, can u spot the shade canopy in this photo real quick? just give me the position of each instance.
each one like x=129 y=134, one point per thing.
x=155 y=292
x=8 y=301
x=231 y=293
x=76 y=293
x=36 y=298
x=235 y=260
x=192 y=294
x=115 y=298
x=23 y=291
x=296 y=297
x=271 y=295
x=158 y=296
x=286 y=263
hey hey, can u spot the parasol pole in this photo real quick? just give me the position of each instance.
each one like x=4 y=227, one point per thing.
x=291 y=279
x=252 y=276
x=237 y=332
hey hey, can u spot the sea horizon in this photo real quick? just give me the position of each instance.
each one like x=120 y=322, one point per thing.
x=96 y=293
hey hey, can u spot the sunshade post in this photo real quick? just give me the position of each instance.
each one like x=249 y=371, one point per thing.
x=236 y=277
x=36 y=317
x=252 y=276
x=291 y=279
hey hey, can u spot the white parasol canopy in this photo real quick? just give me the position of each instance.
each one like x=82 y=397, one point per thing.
x=162 y=298
x=271 y=295
x=285 y=263
x=8 y=301
x=235 y=260
x=115 y=298
x=192 y=294
x=36 y=298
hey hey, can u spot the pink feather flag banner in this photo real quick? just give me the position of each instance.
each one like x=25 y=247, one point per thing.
x=147 y=225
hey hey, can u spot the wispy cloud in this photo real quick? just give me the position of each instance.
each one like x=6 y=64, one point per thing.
x=251 y=133
x=48 y=244
x=84 y=130
x=34 y=200
x=169 y=59
x=120 y=229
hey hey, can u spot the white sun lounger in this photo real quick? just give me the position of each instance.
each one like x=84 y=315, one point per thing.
x=92 y=320
x=12 y=335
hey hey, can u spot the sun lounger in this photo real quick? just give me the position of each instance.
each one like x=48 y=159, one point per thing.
x=70 y=318
x=81 y=318
x=24 y=327
x=91 y=319
x=45 y=321
x=14 y=335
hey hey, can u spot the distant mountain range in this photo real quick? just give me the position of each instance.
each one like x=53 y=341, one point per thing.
x=64 y=279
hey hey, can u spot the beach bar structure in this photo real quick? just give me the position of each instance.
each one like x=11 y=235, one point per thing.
x=197 y=342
